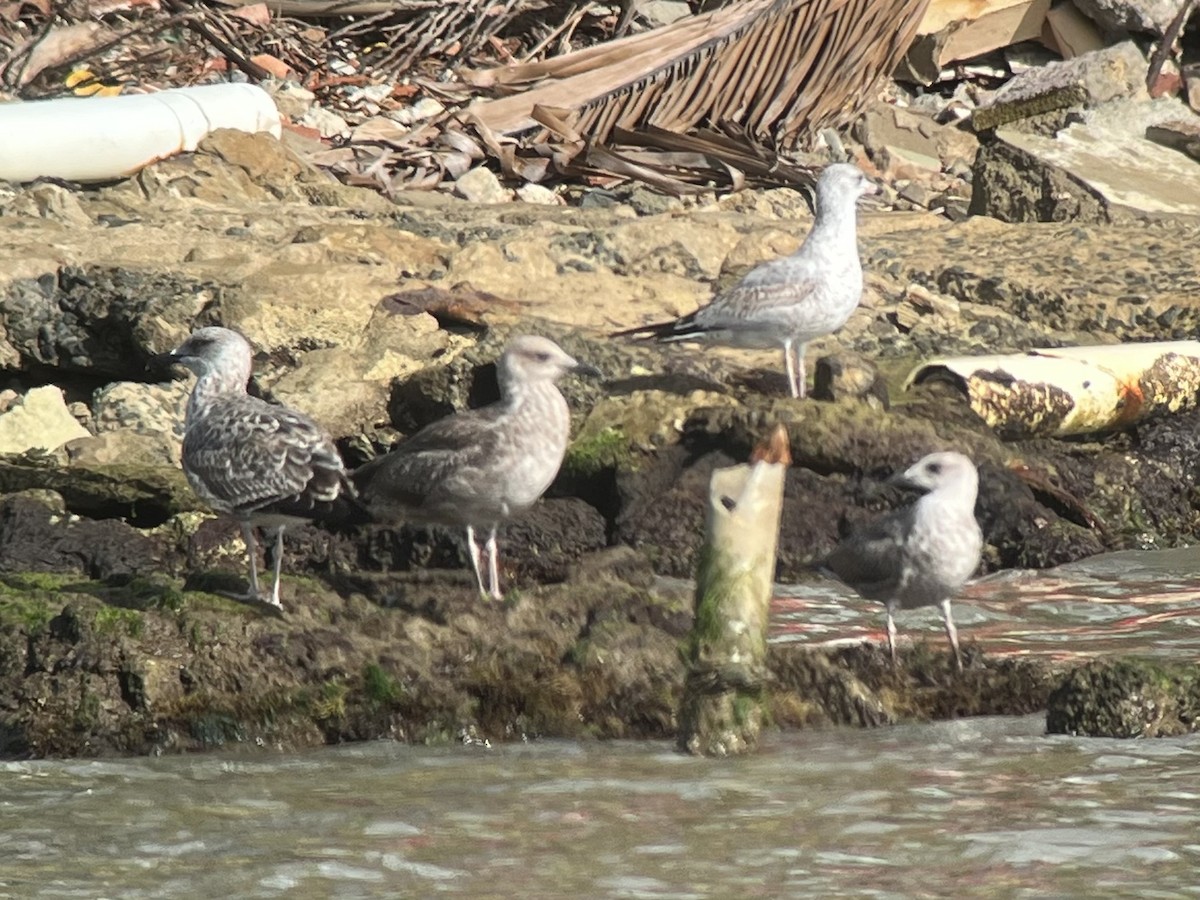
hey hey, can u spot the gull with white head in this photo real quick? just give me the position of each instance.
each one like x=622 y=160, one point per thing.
x=923 y=554
x=790 y=301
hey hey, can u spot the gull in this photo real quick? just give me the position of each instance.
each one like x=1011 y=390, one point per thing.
x=792 y=300
x=478 y=467
x=923 y=554
x=262 y=464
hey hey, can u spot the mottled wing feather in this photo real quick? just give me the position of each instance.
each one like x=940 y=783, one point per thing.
x=872 y=559
x=753 y=306
x=429 y=465
x=254 y=457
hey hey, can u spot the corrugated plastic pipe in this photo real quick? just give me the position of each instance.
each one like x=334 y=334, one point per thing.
x=89 y=139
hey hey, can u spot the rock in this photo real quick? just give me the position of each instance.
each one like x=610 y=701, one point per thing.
x=49 y=201
x=328 y=123
x=146 y=495
x=1070 y=31
x=848 y=376
x=1181 y=134
x=346 y=389
x=1125 y=698
x=425 y=108
x=1101 y=171
x=41 y=419
x=1088 y=80
x=36 y=537
x=663 y=12
x=126 y=446
x=914 y=137
x=480 y=185
x=291 y=99
x=149 y=408
x=535 y=193
x=1147 y=16
x=103 y=321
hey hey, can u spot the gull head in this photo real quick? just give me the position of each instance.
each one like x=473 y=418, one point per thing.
x=213 y=350
x=843 y=183
x=529 y=358
x=943 y=472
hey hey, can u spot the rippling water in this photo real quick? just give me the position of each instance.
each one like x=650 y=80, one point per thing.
x=977 y=807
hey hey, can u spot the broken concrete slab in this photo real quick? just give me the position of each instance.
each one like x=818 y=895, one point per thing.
x=1104 y=170
x=1180 y=134
x=1148 y=16
x=1116 y=72
x=1070 y=32
x=914 y=137
x=962 y=29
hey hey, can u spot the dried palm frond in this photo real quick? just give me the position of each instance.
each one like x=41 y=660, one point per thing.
x=780 y=70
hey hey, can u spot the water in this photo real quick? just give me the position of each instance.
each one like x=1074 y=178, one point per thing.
x=977 y=807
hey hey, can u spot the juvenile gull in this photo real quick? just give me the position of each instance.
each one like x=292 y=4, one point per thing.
x=478 y=467
x=923 y=554
x=262 y=464
x=793 y=300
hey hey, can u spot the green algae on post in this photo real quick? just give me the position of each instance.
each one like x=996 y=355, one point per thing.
x=722 y=711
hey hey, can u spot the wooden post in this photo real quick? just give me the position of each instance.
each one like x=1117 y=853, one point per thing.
x=722 y=712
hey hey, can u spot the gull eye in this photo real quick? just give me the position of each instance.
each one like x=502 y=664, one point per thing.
x=934 y=468
x=542 y=357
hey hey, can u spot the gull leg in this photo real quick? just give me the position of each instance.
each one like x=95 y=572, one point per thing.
x=278 y=567
x=801 y=374
x=473 y=547
x=251 y=554
x=951 y=632
x=493 y=556
x=891 y=633
x=790 y=364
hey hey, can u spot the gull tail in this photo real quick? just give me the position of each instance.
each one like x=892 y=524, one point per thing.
x=681 y=329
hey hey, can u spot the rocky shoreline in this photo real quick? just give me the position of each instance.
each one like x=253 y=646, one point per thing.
x=377 y=318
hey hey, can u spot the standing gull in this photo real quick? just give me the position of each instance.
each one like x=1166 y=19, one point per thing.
x=923 y=554
x=793 y=300
x=478 y=467
x=262 y=464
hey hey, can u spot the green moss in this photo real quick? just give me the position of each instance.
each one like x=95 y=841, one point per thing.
x=31 y=582
x=112 y=620
x=380 y=688
x=714 y=587
x=608 y=448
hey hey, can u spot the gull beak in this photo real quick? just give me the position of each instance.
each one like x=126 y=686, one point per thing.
x=902 y=480
x=589 y=371
x=162 y=362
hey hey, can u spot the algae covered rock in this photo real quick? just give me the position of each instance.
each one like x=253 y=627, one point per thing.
x=1126 y=698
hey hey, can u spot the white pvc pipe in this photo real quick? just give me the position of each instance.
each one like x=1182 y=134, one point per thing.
x=102 y=138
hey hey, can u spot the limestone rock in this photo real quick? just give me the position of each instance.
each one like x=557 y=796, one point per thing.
x=292 y=99
x=480 y=185
x=125 y=446
x=535 y=193
x=40 y=420
x=1151 y=16
x=914 y=137
x=328 y=123
x=1087 y=173
x=149 y=408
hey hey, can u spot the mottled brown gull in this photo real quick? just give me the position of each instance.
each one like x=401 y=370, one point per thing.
x=923 y=554
x=792 y=300
x=265 y=465
x=476 y=468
